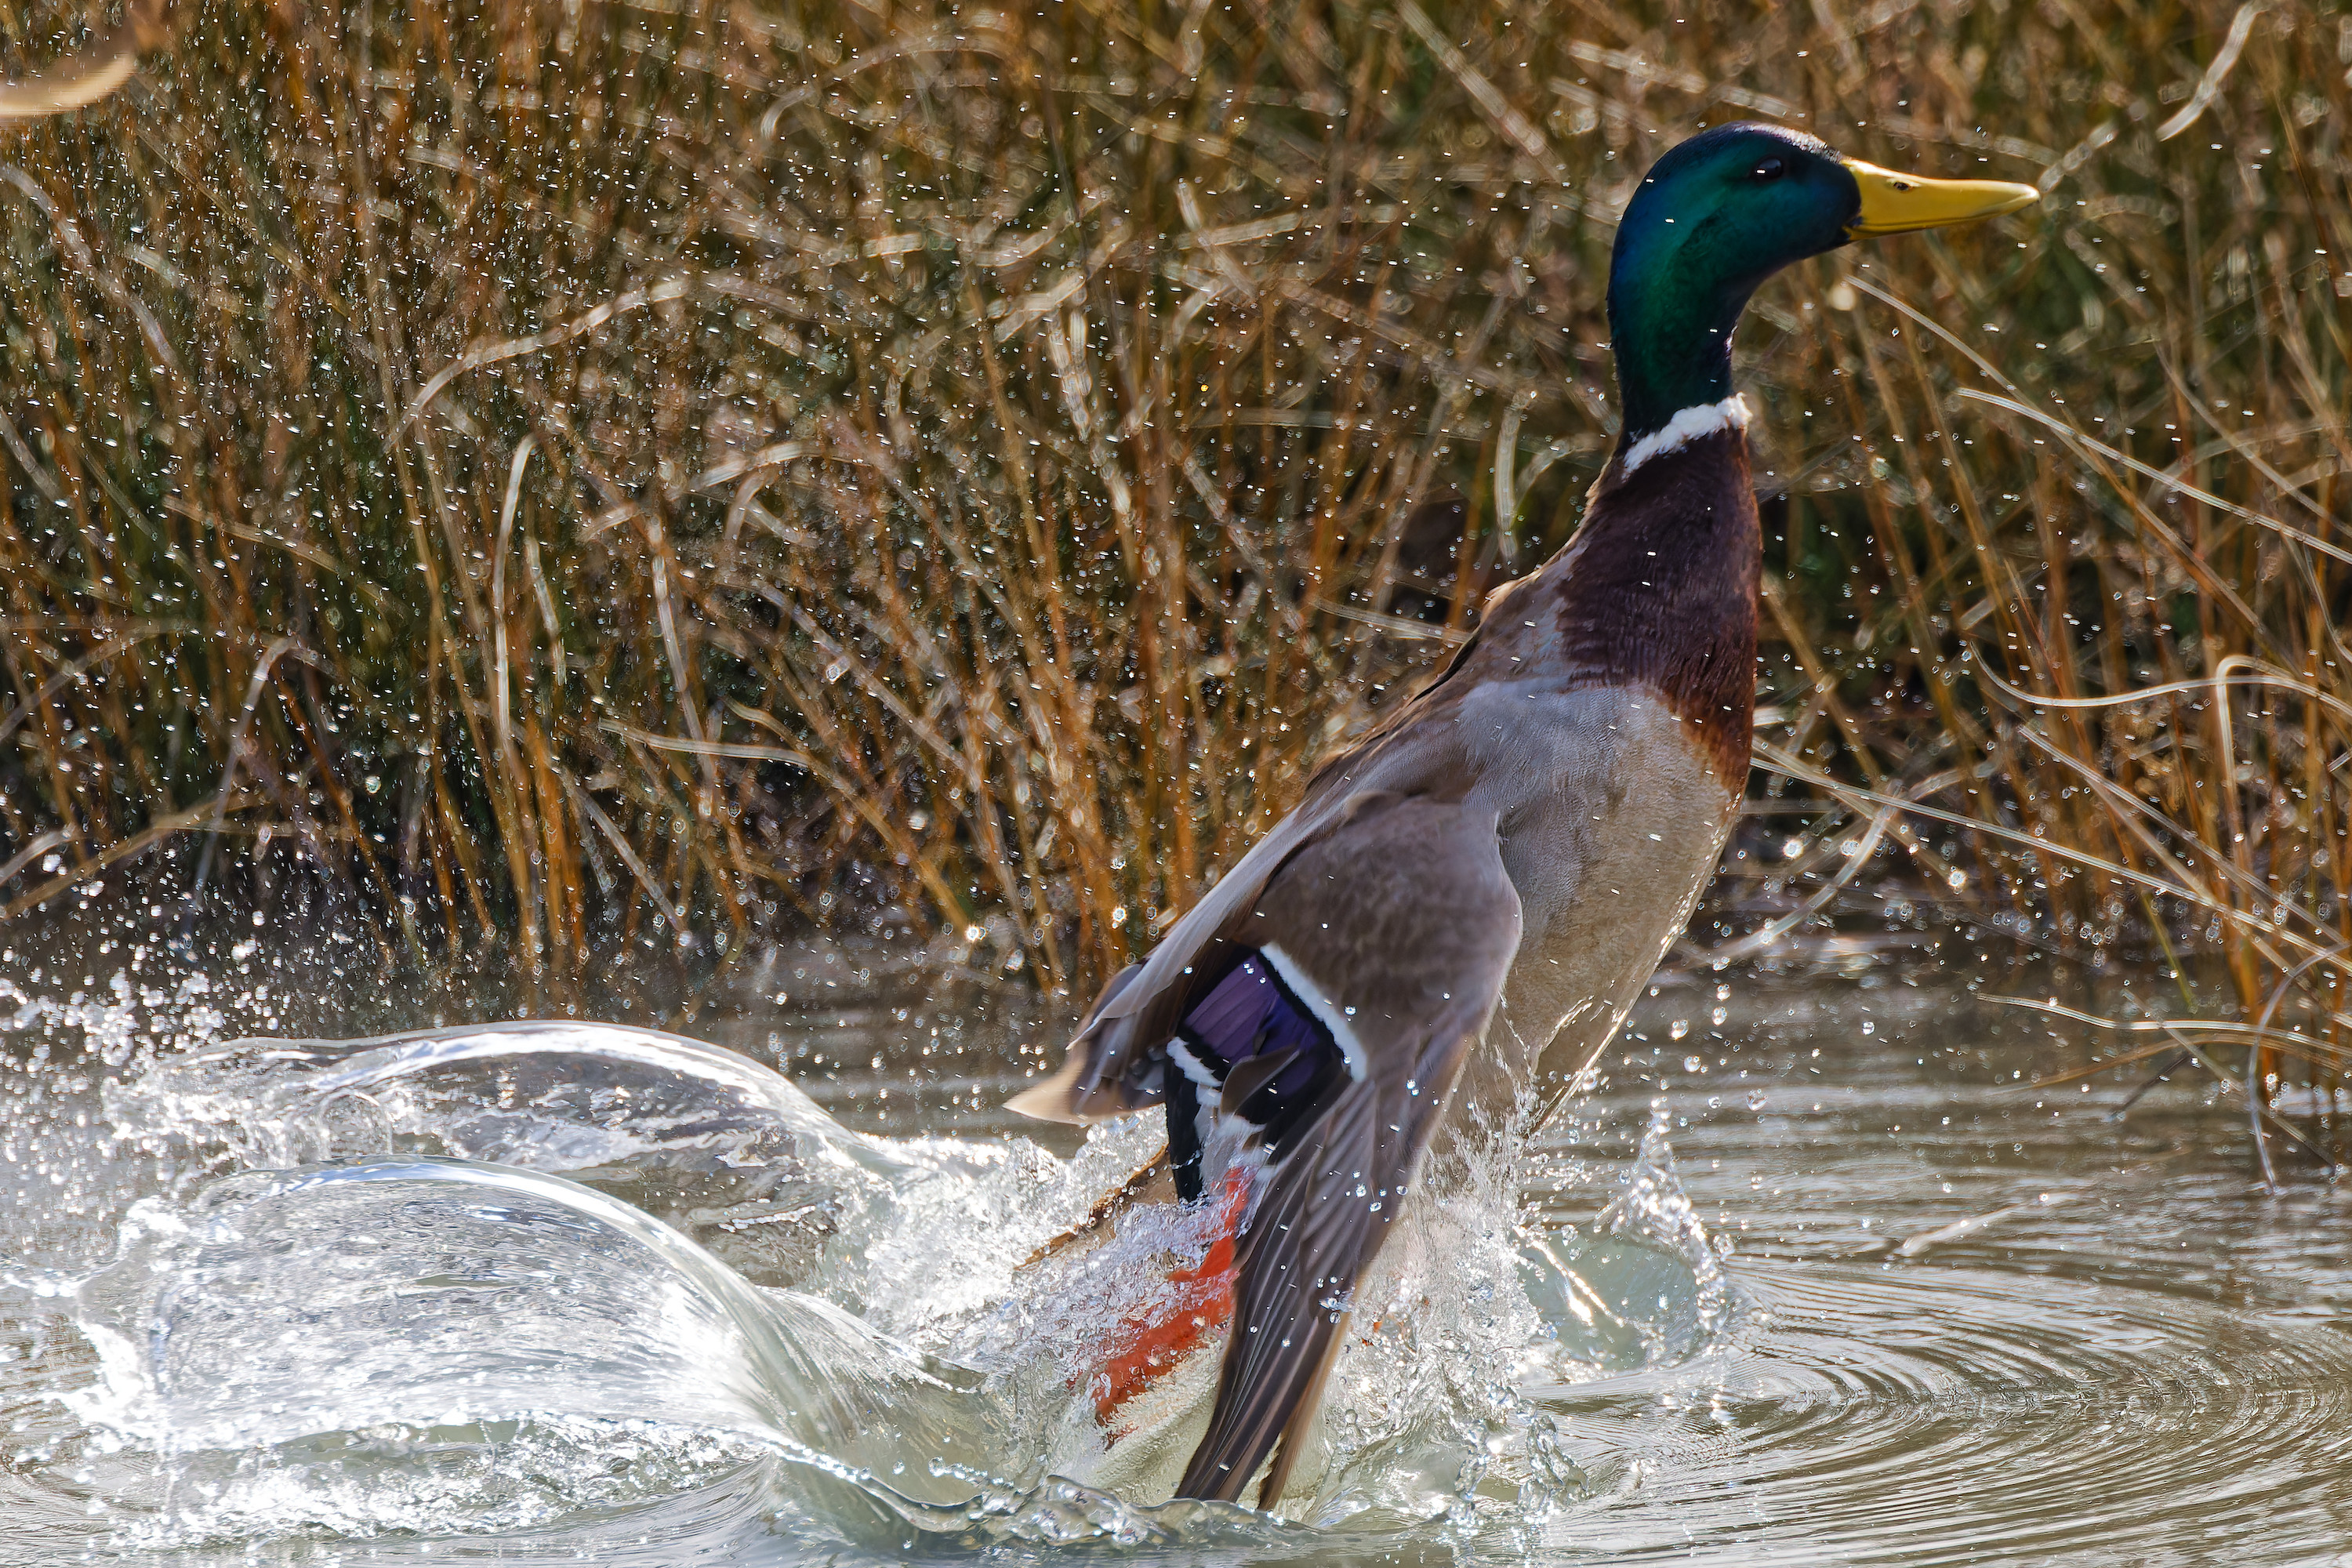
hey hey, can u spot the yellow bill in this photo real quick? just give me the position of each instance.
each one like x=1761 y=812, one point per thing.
x=1898 y=204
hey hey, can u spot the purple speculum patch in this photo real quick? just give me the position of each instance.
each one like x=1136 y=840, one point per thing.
x=1251 y=1013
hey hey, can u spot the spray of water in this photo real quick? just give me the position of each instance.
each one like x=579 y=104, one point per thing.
x=534 y=1277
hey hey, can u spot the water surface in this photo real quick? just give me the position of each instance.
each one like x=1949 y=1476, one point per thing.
x=1814 y=1274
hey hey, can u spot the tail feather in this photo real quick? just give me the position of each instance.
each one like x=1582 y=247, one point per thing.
x=1061 y=1097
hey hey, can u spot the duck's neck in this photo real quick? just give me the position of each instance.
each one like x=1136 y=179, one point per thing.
x=1672 y=340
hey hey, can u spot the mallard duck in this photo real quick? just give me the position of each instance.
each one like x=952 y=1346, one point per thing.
x=1470 y=895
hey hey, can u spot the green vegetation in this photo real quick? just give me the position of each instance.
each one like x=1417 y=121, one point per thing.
x=575 y=470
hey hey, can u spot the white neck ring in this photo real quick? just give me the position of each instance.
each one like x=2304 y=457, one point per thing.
x=1688 y=425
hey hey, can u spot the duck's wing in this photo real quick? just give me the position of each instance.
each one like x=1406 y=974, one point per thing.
x=1394 y=926
x=1114 y=1064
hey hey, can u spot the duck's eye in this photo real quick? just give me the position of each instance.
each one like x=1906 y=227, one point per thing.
x=1770 y=169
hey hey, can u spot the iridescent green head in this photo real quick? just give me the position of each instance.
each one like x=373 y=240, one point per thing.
x=1721 y=213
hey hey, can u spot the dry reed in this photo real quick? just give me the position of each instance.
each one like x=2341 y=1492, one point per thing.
x=588 y=472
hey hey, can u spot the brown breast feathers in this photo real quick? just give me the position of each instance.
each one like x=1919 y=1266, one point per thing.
x=1658 y=589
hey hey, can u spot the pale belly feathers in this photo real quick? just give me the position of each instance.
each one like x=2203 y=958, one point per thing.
x=1611 y=819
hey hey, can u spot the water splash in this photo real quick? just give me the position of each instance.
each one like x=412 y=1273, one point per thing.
x=726 y=1150
x=521 y=1276
x=432 y=1330
x=1640 y=1285
x=1553 y=1357
x=908 y=1233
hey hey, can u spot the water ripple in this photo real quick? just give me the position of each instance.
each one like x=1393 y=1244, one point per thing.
x=1881 y=1413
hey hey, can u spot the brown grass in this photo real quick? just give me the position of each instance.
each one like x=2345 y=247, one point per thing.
x=583 y=470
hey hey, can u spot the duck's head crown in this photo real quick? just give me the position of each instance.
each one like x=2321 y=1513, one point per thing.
x=1721 y=213
x=1764 y=196
x=1711 y=220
